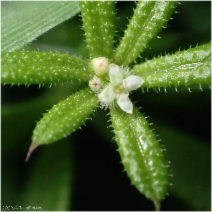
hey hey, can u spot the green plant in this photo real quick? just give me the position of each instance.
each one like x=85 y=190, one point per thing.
x=137 y=143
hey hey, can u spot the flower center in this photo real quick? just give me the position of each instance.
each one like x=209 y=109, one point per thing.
x=120 y=83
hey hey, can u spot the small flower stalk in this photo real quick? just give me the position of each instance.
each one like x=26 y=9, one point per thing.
x=121 y=82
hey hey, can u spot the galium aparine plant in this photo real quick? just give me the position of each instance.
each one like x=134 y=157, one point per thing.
x=110 y=74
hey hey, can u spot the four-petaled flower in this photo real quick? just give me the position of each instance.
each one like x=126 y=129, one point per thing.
x=121 y=83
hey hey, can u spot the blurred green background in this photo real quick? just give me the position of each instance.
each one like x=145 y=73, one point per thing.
x=83 y=171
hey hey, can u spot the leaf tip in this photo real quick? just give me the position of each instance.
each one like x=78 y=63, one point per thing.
x=157 y=206
x=32 y=147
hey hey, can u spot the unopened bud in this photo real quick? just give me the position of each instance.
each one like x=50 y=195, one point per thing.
x=95 y=83
x=100 y=65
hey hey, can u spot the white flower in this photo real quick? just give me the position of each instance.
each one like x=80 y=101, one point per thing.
x=119 y=88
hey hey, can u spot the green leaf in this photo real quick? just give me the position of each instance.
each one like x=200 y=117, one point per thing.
x=64 y=118
x=190 y=67
x=22 y=22
x=141 y=154
x=148 y=19
x=49 y=184
x=98 y=23
x=42 y=67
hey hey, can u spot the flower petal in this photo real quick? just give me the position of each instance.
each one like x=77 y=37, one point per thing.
x=107 y=95
x=116 y=74
x=132 y=83
x=124 y=103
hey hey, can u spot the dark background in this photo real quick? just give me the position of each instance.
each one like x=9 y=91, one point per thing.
x=182 y=119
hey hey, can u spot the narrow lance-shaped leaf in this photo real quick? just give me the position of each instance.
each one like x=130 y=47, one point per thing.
x=190 y=67
x=141 y=154
x=22 y=22
x=64 y=118
x=42 y=67
x=98 y=23
x=148 y=19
